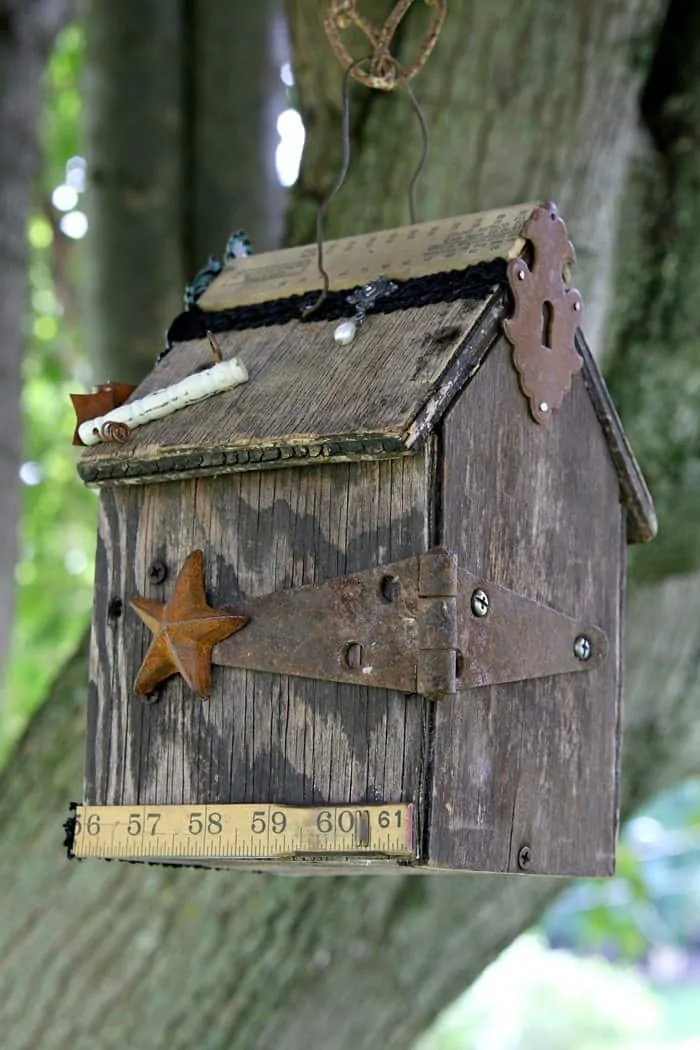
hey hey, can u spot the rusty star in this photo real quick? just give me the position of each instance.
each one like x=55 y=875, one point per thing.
x=185 y=631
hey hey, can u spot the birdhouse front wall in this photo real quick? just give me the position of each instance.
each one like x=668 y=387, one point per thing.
x=261 y=737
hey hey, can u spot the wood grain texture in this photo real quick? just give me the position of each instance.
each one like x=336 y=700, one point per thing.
x=261 y=737
x=538 y=510
x=642 y=524
x=304 y=389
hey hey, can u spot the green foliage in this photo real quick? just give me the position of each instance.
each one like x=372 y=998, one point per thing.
x=62 y=107
x=655 y=896
x=57 y=535
x=533 y=998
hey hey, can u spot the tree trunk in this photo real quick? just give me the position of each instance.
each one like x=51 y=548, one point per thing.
x=154 y=957
x=524 y=100
x=27 y=31
x=179 y=142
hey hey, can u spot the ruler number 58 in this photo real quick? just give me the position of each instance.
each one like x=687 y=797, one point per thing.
x=196 y=824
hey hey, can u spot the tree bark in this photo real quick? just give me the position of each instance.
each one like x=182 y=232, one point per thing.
x=154 y=957
x=27 y=31
x=525 y=100
x=179 y=141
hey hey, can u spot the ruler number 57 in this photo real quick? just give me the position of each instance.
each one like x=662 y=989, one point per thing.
x=135 y=825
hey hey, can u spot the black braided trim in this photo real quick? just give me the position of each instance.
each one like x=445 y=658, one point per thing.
x=69 y=830
x=475 y=283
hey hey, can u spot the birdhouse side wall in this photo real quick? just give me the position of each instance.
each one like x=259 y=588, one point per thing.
x=262 y=737
x=525 y=774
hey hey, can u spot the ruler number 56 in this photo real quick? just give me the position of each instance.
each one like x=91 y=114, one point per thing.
x=92 y=826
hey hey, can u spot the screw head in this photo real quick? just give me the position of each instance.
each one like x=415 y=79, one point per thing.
x=480 y=602
x=353 y=656
x=583 y=648
x=543 y=406
x=391 y=586
x=157 y=572
x=524 y=857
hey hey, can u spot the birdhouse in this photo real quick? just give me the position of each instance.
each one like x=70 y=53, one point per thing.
x=360 y=567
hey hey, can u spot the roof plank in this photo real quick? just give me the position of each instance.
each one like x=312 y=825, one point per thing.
x=402 y=254
x=304 y=389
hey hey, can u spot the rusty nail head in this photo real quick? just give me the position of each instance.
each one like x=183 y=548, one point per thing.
x=157 y=572
x=582 y=648
x=353 y=656
x=480 y=602
x=524 y=857
x=391 y=586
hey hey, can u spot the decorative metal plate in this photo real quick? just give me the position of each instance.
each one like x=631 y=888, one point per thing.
x=547 y=315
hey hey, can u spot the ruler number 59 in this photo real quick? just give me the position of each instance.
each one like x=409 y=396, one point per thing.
x=278 y=822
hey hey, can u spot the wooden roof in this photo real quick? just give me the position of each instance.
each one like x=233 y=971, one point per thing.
x=306 y=396
x=309 y=398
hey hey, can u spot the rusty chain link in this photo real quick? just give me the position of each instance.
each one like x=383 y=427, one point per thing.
x=384 y=72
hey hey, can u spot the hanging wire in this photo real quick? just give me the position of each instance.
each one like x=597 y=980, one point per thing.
x=338 y=185
x=345 y=166
x=424 y=152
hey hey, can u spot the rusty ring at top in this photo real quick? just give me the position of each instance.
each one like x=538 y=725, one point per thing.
x=385 y=72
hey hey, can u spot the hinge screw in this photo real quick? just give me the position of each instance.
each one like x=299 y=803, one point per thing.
x=524 y=857
x=391 y=586
x=353 y=656
x=157 y=572
x=582 y=648
x=480 y=602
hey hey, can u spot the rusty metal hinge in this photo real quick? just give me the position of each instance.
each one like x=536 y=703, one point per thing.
x=420 y=625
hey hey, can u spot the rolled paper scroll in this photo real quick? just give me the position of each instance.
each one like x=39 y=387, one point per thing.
x=196 y=387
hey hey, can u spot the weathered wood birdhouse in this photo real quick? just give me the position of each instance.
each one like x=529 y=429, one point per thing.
x=365 y=607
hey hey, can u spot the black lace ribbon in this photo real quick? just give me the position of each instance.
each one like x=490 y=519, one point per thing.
x=473 y=283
